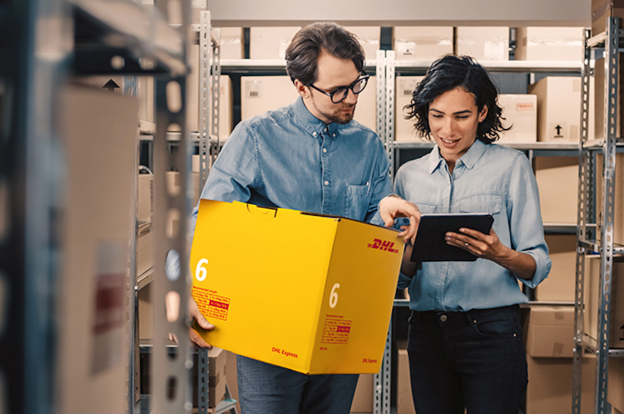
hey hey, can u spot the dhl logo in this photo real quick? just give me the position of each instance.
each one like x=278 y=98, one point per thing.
x=383 y=245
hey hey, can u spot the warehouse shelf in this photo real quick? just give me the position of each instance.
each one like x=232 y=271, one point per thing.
x=599 y=39
x=268 y=65
x=142 y=37
x=598 y=144
x=533 y=303
x=502 y=66
x=539 y=146
x=593 y=246
x=560 y=228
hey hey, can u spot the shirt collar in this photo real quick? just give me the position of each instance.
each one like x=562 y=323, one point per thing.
x=311 y=123
x=469 y=159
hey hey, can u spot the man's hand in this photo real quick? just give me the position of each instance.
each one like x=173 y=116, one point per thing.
x=172 y=304
x=202 y=322
x=393 y=207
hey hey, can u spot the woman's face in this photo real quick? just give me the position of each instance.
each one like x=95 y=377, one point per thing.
x=453 y=120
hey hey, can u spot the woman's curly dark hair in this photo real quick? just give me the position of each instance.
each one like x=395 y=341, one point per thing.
x=451 y=72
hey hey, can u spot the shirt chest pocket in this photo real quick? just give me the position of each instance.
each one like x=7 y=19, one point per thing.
x=482 y=203
x=358 y=200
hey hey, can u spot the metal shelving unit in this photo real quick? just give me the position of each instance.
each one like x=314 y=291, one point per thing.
x=54 y=40
x=597 y=239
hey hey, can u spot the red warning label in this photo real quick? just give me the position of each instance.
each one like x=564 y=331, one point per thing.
x=211 y=305
x=336 y=331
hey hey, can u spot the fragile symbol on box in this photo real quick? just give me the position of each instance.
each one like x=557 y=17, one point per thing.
x=211 y=305
x=336 y=332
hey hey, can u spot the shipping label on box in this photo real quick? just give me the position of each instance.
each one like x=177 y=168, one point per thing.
x=317 y=305
x=519 y=113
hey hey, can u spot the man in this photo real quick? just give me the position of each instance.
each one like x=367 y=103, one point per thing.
x=310 y=156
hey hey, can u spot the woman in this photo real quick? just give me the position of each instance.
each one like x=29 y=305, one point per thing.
x=465 y=340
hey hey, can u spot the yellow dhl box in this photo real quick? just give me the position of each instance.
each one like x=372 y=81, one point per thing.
x=308 y=292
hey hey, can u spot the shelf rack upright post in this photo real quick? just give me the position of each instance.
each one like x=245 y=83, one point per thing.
x=587 y=242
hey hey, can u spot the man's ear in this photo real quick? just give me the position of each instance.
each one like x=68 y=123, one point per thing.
x=302 y=90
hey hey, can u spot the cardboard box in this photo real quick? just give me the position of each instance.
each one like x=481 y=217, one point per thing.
x=592 y=301
x=601 y=9
x=112 y=84
x=483 y=43
x=173 y=185
x=550 y=43
x=232 y=42
x=422 y=43
x=98 y=133
x=325 y=301
x=364 y=394
x=615 y=396
x=549 y=332
x=146 y=313
x=217 y=362
x=144 y=249
x=561 y=281
x=366 y=108
x=270 y=42
x=550 y=385
x=405 y=402
x=231 y=376
x=145 y=198
x=369 y=39
x=557 y=180
x=599 y=98
x=404 y=128
x=265 y=93
x=559 y=108
x=147 y=99
x=618 y=196
x=520 y=112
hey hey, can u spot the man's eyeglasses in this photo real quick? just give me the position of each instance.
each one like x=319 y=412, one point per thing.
x=341 y=93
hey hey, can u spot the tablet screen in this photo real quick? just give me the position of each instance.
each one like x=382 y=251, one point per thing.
x=430 y=244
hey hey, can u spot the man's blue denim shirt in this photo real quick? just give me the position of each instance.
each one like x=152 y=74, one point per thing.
x=288 y=158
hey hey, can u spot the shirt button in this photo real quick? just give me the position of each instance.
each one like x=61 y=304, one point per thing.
x=325 y=129
x=324 y=149
x=443 y=318
x=326 y=182
x=334 y=135
x=314 y=134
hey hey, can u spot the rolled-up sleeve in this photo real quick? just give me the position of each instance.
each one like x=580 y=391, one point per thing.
x=525 y=219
